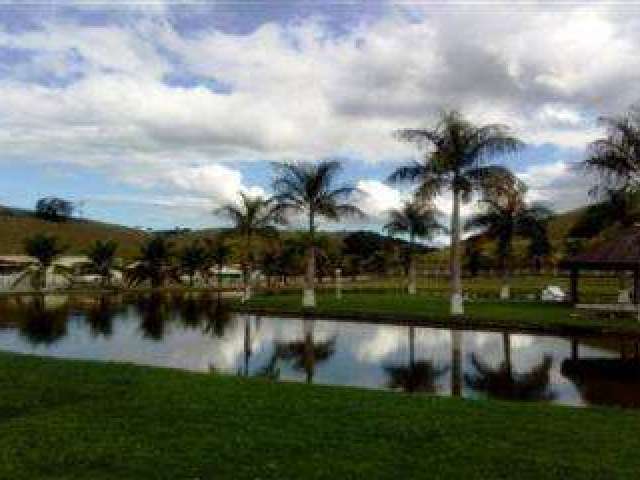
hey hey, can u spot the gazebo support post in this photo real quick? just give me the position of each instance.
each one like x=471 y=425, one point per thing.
x=574 y=285
x=574 y=349
x=636 y=286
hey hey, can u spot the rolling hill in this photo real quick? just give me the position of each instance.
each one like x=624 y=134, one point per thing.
x=76 y=234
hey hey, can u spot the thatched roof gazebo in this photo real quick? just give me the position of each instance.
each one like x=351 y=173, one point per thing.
x=620 y=254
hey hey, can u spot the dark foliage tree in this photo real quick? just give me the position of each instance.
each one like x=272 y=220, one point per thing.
x=154 y=263
x=54 y=209
x=102 y=255
x=44 y=248
x=193 y=260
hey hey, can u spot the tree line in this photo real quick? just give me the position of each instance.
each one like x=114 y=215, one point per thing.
x=457 y=156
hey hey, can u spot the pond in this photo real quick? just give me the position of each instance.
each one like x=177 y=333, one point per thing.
x=199 y=333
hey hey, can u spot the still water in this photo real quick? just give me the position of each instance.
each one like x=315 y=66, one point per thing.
x=198 y=332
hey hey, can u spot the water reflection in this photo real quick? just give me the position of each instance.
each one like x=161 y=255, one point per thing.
x=43 y=321
x=502 y=382
x=154 y=313
x=417 y=376
x=217 y=318
x=100 y=314
x=307 y=353
x=199 y=332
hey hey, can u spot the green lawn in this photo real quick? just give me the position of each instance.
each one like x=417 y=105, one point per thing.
x=64 y=419
x=593 y=289
x=389 y=305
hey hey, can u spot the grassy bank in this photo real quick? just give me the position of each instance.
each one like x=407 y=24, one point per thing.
x=593 y=289
x=68 y=419
x=555 y=318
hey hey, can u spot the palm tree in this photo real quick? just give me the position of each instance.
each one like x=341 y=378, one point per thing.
x=616 y=158
x=539 y=247
x=252 y=216
x=219 y=254
x=417 y=220
x=309 y=188
x=456 y=158
x=102 y=255
x=44 y=248
x=193 y=259
x=153 y=263
x=506 y=215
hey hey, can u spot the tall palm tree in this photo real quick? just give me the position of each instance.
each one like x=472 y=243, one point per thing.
x=616 y=157
x=417 y=220
x=456 y=157
x=154 y=263
x=309 y=188
x=504 y=216
x=44 y=248
x=102 y=255
x=252 y=216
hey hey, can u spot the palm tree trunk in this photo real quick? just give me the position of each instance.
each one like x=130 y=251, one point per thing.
x=505 y=292
x=412 y=268
x=412 y=275
x=247 y=272
x=338 y=283
x=457 y=307
x=309 y=297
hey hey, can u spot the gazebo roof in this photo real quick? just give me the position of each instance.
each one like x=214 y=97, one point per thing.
x=619 y=253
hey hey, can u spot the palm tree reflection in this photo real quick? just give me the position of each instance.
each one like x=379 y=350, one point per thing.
x=217 y=318
x=306 y=354
x=417 y=376
x=502 y=382
x=154 y=315
x=189 y=309
x=100 y=315
x=43 y=323
x=456 y=363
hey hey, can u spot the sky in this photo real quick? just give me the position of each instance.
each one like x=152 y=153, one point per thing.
x=155 y=113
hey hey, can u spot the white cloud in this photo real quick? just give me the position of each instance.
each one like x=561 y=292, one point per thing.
x=561 y=184
x=378 y=198
x=300 y=91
